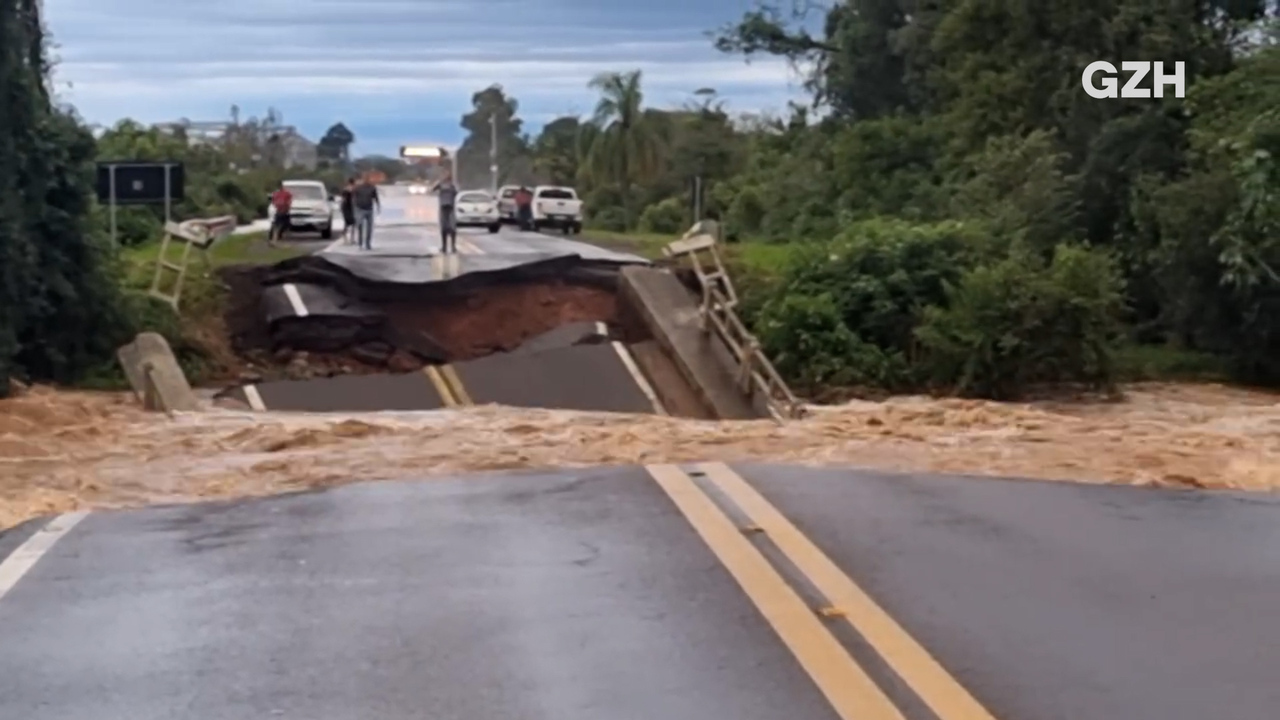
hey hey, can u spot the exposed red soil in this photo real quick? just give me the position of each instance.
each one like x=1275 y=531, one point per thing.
x=466 y=326
x=501 y=318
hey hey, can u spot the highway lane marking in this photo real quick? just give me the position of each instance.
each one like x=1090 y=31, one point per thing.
x=295 y=300
x=22 y=559
x=446 y=267
x=459 y=390
x=944 y=695
x=433 y=374
x=634 y=370
x=469 y=247
x=254 y=398
x=847 y=687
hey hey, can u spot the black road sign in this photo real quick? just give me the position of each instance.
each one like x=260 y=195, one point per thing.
x=141 y=183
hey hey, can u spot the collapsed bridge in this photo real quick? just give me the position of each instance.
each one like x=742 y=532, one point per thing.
x=587 y=329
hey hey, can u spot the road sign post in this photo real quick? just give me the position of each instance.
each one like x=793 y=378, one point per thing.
x=139 y=182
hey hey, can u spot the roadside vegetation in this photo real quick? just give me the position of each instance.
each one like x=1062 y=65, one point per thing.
x=954 y=213
x=950 y=212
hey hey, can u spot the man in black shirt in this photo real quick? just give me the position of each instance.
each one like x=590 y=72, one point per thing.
x=364 y=198
x=349 y=212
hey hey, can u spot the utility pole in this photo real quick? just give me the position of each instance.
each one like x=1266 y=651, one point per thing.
x=493 y=152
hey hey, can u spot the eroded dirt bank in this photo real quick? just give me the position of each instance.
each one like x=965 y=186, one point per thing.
x=61 y=450
x=461 y=325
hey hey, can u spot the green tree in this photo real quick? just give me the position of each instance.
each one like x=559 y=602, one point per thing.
x=335 y=144
x=625 y=150
x=61 y=309
x=513 y=158
x=556 y=152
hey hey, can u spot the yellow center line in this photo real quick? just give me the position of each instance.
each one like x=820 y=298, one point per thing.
x=455 y=384
x=847 y=687
x=433 y=374
x=944 y=695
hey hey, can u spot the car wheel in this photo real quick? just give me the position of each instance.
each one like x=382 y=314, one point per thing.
x=326 y=232
x=495 y=227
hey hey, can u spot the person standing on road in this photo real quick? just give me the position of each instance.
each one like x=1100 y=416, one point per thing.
x=448 y=194
x=524 y=208
x=364 y=200
x=282 y=202
x=349 y=212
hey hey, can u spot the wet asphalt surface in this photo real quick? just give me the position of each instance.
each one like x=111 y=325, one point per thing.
x=408 y=227
x=587 y=594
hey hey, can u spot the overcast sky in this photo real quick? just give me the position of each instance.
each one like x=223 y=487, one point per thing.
x=396 y=71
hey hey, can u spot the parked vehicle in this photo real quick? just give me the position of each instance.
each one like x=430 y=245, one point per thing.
x=507 y=203
x=476 y=208
x=312 y=209
x=557 y=207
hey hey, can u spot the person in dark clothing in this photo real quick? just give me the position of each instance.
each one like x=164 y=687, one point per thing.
x=447 y=192
x=282 y=202
x=364 y=200
x=349 y=212
x=524 y=208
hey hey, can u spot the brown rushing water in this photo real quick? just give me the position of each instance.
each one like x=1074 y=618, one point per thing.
x=61 y=451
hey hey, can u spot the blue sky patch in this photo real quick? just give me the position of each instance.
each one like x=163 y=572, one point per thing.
x=396 y=71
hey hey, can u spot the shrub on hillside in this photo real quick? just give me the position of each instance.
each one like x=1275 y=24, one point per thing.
x=667 y=217
x=878 y=276
x=1015 y=323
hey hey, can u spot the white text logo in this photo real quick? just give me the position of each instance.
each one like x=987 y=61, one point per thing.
x=1109 y=87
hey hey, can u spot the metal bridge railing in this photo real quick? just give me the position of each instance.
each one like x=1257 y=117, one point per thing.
x=755 y=374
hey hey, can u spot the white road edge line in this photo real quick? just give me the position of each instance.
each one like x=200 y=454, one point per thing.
x=625 y=355
x=29 y=553
x=295 y=299
x=254 y=398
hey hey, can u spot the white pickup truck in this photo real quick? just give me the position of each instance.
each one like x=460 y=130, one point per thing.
x=557 y=207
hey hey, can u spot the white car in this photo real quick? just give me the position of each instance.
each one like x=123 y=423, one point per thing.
x=312 y=207
x=507 y=203
x=476 y=208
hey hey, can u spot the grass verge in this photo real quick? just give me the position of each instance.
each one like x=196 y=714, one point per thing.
x=197 y=332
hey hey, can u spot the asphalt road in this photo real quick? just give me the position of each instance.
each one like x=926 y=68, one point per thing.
x=408 y=226
x=631 y=593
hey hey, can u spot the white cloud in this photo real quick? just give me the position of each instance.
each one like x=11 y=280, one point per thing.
x=379 y=62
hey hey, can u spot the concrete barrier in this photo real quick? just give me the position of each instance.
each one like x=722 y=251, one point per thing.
x=154 y=374
x=670 y=311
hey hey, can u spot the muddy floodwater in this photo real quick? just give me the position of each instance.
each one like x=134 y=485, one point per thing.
x=61 y=451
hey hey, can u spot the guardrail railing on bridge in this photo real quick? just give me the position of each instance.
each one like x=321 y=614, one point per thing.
x=755 y=374
x=200 y=234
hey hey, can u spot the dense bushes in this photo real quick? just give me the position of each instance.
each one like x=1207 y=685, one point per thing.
x=60 y=305
x=900 y=306
x=962 y=217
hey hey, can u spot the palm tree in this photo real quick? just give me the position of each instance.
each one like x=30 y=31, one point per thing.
x=625 y=149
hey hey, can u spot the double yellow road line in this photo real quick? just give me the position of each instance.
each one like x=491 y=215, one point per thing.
x=848 y=688
x=444 y=378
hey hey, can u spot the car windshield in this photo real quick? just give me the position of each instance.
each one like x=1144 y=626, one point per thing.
x=474 y=197
x=509 y=192
x=555 y=194
x=307 y=192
